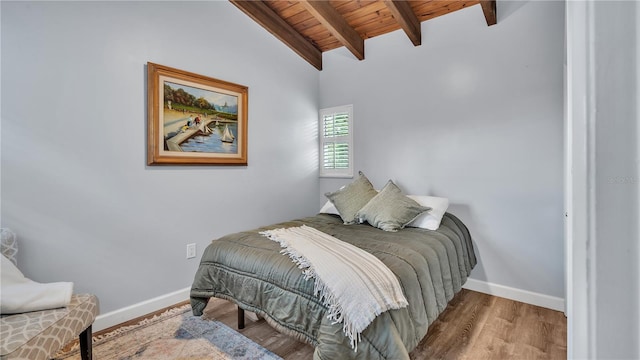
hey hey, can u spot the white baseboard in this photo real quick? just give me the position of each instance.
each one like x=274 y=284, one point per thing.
x=529 y=297
x=104 y=321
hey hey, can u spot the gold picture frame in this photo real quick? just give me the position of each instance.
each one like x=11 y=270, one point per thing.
x=194 y=119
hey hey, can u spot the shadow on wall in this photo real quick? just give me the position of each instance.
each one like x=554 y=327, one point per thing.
x=463 y=212
x=507 y=8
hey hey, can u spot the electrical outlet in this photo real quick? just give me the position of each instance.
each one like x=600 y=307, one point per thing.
x=191 y=251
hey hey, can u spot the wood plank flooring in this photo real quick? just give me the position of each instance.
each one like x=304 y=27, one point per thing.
x=474 y=326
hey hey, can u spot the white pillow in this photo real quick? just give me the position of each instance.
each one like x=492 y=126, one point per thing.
x=329 y=208
x=432 y=218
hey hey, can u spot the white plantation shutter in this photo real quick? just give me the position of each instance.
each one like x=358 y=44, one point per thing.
x=336 y=142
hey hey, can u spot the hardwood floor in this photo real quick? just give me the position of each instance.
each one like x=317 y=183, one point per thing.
x=474 y=326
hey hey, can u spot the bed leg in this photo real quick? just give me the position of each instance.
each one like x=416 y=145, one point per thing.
x=240 y=318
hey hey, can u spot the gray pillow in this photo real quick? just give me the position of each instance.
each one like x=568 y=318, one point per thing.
x=352 y=197
x=390 y=210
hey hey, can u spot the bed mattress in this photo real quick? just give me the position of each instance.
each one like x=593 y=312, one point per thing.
x=248 y=269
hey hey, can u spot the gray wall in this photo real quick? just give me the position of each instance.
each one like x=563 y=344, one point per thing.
x=75 y=186
x=474 y=114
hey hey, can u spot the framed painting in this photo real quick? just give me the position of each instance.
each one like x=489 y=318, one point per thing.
x=194 y=119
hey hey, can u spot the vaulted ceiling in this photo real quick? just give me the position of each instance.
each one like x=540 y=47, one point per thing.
x=311 y=27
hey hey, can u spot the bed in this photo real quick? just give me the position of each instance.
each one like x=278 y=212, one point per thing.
x=249 y=270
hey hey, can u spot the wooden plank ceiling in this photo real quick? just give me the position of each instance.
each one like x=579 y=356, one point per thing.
x=311 y=27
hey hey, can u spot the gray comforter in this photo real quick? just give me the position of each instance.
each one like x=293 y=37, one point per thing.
x=248 y=269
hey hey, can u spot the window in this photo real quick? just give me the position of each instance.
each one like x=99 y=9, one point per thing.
x=336 y=141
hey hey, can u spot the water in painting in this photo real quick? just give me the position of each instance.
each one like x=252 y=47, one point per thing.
x=213 y=142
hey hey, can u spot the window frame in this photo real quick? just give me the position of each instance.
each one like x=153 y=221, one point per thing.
x=335 y=173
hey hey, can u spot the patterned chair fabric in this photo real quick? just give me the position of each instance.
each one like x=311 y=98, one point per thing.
x=40 y=334
x=9 y=245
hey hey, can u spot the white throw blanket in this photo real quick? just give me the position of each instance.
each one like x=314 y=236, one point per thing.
x=355 y=285
x=19 y=294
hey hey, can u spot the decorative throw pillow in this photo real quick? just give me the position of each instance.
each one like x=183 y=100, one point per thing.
x=390 y=210
x=352 y=197
x=432 y=218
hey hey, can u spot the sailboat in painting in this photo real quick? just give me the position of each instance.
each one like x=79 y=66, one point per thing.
x=227 y=135
x=204 y=128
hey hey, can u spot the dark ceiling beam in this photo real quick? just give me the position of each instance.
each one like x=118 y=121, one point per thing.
x=489 y=10
x=269 y=19
x=406 y=18
x=331 y=19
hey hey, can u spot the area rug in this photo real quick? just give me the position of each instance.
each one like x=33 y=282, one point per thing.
x=172 y=335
